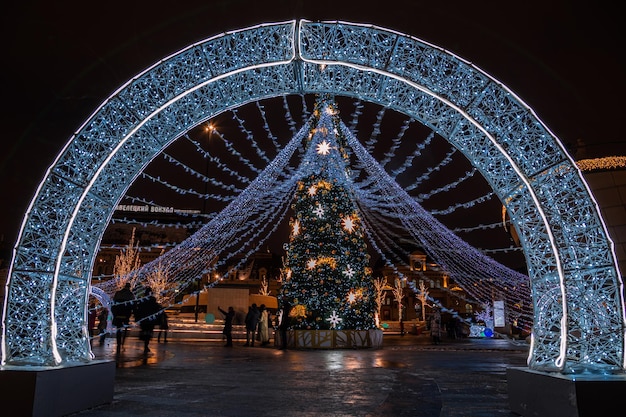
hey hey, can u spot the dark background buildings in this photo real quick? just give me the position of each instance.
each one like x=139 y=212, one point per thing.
x=63 y=59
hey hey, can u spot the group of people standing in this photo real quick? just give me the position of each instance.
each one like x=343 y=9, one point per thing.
x=146 y=311
x=257 y=325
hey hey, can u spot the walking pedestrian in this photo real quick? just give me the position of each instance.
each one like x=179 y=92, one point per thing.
x=103 y=317
x=163 y=326
x=148 y=314
x=91 y=320
x=263 y=330
x=122 y=309
x=228 y=325
x=251 y=321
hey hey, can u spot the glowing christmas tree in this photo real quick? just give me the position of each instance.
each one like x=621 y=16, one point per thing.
x=327 y=277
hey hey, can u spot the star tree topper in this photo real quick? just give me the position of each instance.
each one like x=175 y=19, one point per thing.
x=323 y=148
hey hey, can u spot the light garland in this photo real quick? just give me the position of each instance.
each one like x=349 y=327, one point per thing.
x=606 y=163
x=380 y=214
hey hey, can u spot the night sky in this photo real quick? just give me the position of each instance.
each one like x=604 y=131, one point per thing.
x=61 y=60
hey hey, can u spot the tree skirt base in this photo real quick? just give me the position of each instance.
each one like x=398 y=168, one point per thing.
x=335 y=339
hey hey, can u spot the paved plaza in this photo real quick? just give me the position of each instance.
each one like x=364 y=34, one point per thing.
x=407 y=377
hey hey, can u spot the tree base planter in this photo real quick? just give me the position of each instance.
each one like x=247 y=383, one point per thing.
x=335 y=339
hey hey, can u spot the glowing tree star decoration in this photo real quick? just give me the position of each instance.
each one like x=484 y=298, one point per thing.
x=334 y=320
x=327 y=255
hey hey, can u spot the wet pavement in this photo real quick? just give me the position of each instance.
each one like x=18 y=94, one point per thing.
x=407 y=377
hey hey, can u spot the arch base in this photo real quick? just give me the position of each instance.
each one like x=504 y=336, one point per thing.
x=543 y=394
x=59 y=391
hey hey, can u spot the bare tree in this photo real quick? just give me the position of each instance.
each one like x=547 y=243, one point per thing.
x=264 y=289
x=423 y=296
x=285 y=273
x=158 y=279
x=126 y=262
x=379 y=287
x=398 y=293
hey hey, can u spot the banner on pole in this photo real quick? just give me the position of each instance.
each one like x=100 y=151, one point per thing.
x=498 y=313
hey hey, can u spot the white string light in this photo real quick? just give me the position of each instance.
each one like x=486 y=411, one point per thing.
x=239 y=231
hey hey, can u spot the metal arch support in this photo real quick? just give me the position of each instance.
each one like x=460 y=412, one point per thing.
x=571 y=260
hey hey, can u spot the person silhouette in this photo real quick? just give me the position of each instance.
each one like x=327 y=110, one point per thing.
x=103 y=317
x=122 y=309
x=148 y=314
x=228 y=325
x=252 y=321
x=163 y=326
x=283 y=325
x=263 y=332
x=92 y=314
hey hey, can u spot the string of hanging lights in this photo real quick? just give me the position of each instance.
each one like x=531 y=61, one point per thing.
x=243 y=226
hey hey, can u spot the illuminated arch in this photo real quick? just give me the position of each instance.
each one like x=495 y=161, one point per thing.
x=569 y=254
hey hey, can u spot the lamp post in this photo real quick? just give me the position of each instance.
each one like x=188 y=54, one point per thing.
x=198 y=298
x=209 y=128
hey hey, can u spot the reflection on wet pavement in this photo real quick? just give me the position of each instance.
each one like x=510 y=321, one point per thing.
x=407 y=377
